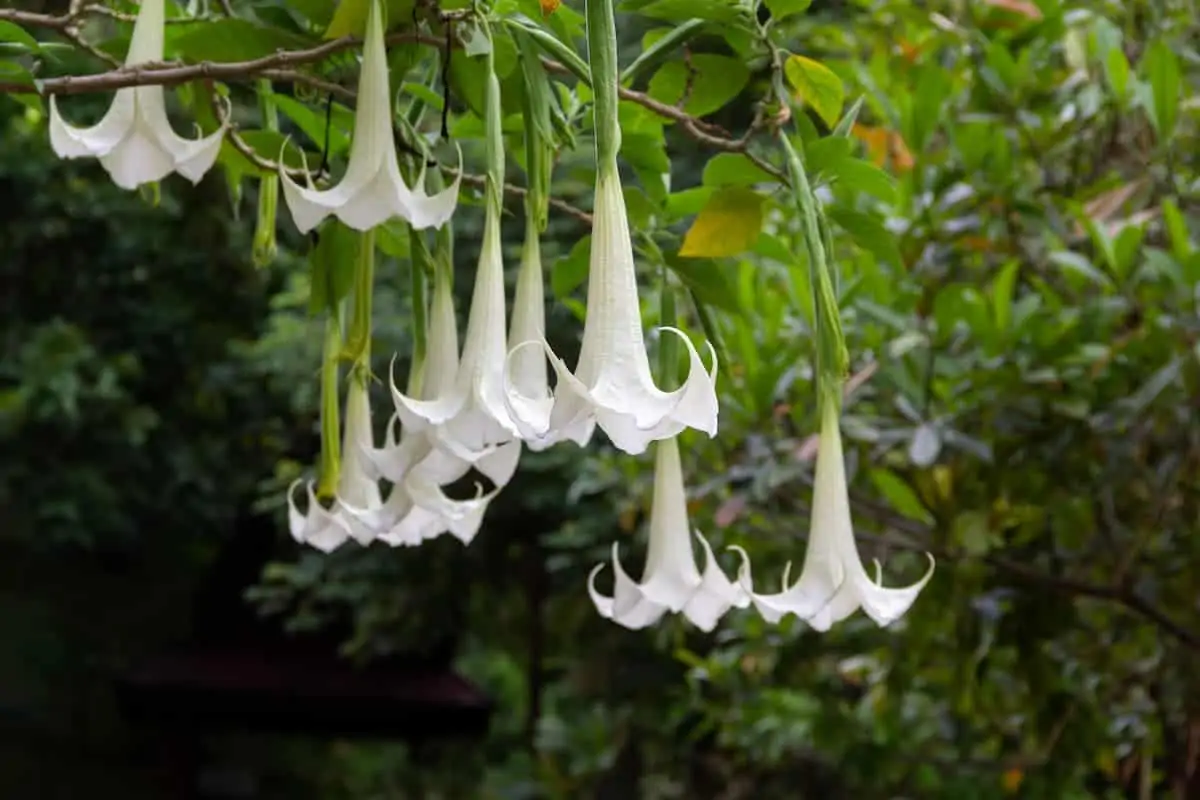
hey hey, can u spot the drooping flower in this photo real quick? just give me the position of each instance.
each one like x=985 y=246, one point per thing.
x=468 y=416
x=134 y=140
x=526 y=381
x=372 y=191
x=417 y=508
x=612 y=385
x=356 y=509
x=321 y=527
x=671 y=581
x=833 y=582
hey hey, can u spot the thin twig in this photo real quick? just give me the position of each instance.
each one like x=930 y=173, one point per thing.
x=519 y=193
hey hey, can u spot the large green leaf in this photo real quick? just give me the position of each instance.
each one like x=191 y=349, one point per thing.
x=231 y=40
x=709 y=83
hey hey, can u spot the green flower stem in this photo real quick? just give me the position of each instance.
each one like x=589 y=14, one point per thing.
x=494 y=140
x=263 y=252
x=602 y=52
x=422 y=268
x=358 y=344
x=832 y=358
x=539 y=149
x=331 y=446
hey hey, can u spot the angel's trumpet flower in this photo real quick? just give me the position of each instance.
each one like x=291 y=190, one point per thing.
x=469 y=417
x=135 y=141
x=833 y=583
x=671 y=581
x=372 y=190
x=612 y=385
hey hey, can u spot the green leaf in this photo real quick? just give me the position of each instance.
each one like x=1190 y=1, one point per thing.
x=1116 y=70
x=1177 y=232
x=313 y=125
x=709 y=280
x=729 y=223
x=318 y=12
x=899 y=495
x=711 y=83
x=688 y=202
x=785 y=8
x=350 y=18
x=862 y=176
x=1075 y=264
x=331 y=265
x=726 y=11
x=231 y=40
x=571 y=270
x=817 y=86
x=733 y=169
x=868 y=233
x=972 y=533
x=1003 y=286
x=10 y=32
x=1160 y=66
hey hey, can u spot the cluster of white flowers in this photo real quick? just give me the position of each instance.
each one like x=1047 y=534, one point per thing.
x=475 y=409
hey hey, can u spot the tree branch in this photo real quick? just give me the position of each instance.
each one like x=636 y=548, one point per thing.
x=173 y=73
x=1120 y=593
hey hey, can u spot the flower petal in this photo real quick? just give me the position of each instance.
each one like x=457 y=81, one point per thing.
x=884 y=605
x=319 y=528
x=137 y=159
x=715 y=595
x=634 y=612
x=97 y=140
x=433 y=211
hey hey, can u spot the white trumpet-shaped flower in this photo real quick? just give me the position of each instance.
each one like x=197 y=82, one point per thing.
x=671 y=581
x=358 y=504
x=468 y=415
x=612 y=385
x=135 y=141
x=438 y=379
x=833 y=582
x=323 y=528
x=372 y=191
x=418 y=509
x=526 y=380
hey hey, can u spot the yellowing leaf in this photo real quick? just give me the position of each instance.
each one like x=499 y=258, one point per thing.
x=1012 y=779
x=549 y=6
x=729 y=223
x=817 y=86
x=883 y=145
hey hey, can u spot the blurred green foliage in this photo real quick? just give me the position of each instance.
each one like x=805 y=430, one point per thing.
x=1017 y=224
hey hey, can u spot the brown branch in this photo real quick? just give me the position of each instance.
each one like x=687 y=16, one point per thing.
x=703 y=132
x=520 y=192
x=173 y=74
x=33 y=20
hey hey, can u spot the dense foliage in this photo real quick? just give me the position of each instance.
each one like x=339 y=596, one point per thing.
x=1016 y=212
